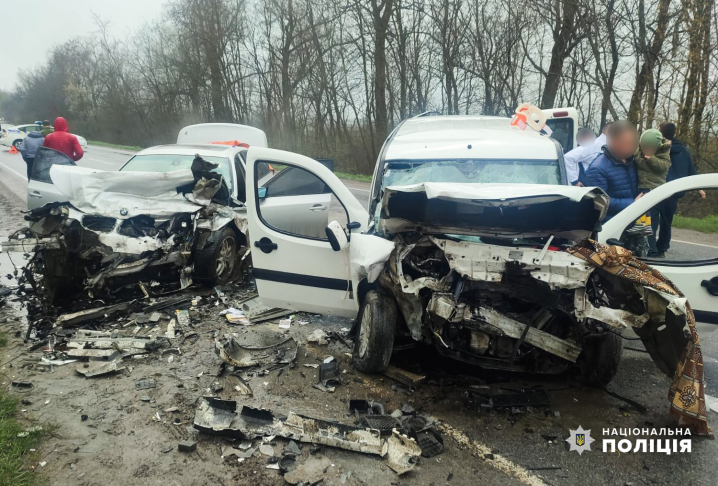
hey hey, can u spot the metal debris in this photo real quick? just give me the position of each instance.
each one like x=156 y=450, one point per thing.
x=98 y=368
x=240 y=356
x=404 y=377
x=217 y=416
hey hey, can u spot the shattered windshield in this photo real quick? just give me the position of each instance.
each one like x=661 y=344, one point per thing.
x=170 y=162
x=406 y=172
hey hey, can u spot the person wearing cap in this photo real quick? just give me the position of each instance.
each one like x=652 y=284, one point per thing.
x=46 y=128
x=653 y=159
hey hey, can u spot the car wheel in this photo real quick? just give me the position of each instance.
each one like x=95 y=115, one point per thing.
x=375 y=337
x=215 y=264
x=600 y=358
x=17 y=144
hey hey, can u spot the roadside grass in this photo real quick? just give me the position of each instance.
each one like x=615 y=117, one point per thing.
x=709 y=224
x=14 y=470
x=353 y=177
x=114 y=145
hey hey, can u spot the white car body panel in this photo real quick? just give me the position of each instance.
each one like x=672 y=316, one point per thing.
x=41 y=193
x=467 y=137
x=222 y=132
x=558 y=114
x=301 y=273
x=687 y=277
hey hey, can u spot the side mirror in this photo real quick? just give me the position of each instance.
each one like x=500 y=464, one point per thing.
x=336 y=235
x=261 y=192
x=615 y=242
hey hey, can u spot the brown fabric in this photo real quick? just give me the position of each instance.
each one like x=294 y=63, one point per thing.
x=687 y=391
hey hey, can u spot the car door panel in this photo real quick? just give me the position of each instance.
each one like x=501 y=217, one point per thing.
x=693 y=278
x=40 y=189
x=307 y=214
x=298 y=271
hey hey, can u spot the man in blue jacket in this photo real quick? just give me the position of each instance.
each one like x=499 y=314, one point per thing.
x=615 y=170
x=28 y=149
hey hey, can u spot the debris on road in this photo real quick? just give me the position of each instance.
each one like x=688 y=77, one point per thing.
x=215 y=416
x=98 y=368
x=187 y=446
x=234 y=354
x=404 y=377
x=318 y=336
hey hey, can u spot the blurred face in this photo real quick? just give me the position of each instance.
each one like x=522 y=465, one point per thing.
x=624 y=144
x=648 y=151
x=586 y=139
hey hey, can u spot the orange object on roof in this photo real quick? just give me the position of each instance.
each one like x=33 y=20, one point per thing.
x=233 y=143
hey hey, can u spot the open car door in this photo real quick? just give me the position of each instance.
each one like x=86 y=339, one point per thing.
x=564 y=126
x=692 y=261
x=294 y=264
x=40 y=189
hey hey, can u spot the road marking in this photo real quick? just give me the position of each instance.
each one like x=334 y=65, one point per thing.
x=697 y=244
x=501 y=463
x=23 y=176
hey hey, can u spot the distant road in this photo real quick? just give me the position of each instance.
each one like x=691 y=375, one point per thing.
x=686 y=245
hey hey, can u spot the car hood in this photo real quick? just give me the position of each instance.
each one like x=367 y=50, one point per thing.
x=124 y=194
x=497 y=210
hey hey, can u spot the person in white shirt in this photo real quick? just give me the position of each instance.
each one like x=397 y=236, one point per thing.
x=578 y=159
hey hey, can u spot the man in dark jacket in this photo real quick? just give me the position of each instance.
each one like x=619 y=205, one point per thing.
x=681 y=166
x=28 y=149
x=615 y=170
x=64 y=142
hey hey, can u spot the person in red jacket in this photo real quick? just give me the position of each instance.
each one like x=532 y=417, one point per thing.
x=64 y=142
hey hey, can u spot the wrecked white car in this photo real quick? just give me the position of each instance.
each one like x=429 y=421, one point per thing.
x=482 y=272
x=171 y=215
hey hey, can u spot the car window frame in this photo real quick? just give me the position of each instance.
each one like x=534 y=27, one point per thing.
x=257 y=201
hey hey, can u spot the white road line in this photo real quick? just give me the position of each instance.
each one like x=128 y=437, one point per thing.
x=23 y=176
x=481 y=451
x=697 y=244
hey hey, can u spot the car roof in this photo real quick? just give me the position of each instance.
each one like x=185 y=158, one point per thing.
x=467 y=137
x=192 y=149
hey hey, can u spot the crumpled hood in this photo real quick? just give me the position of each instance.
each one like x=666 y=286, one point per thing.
x=124 y=194
x=500 y=210
x=60 y=124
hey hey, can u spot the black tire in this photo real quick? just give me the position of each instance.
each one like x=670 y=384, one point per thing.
x=17 y=144
x=375 y=335
x=600 y=358
x=215 y=263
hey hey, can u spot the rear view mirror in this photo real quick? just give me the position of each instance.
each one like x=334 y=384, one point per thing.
x=261 y=192
x=336 y=235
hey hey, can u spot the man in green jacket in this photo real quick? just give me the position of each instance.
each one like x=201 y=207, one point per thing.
x=46 y=128
x=653 y=159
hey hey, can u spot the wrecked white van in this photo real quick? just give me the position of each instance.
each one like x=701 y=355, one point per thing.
x=482 y=272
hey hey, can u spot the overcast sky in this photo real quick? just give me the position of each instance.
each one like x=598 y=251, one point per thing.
x=30 y=29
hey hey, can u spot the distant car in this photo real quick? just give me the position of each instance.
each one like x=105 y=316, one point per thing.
x=13 y=135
